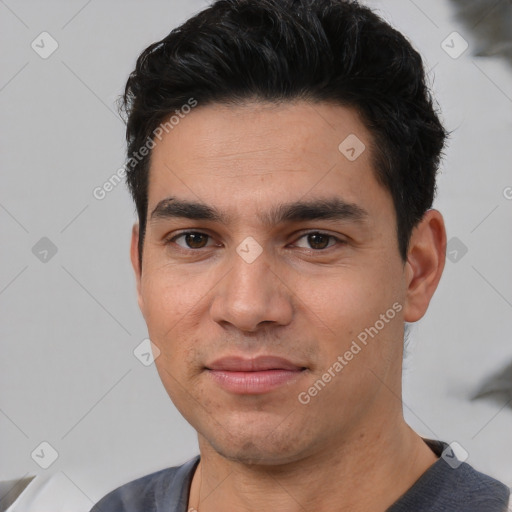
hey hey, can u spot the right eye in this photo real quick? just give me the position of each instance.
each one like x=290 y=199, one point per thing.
x=193 y=239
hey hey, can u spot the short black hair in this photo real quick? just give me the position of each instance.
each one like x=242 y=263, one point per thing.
x=336 y=51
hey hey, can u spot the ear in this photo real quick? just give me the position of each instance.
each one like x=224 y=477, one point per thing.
x=134 y=256
x=425 y=264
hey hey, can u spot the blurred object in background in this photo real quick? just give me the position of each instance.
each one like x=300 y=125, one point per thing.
x=498 y=387
x=490 y=21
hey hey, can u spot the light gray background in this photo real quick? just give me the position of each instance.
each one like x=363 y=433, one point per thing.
x=69 y=326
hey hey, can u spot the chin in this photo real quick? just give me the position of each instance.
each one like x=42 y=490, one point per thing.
x=258 y=443
x=253 y=454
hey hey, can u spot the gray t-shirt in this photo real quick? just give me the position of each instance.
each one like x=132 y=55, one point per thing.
x=444 y=487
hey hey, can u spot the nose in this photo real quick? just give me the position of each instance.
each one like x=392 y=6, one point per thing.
x=252 y=295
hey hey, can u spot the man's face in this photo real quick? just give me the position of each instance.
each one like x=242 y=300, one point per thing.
x=249 y=289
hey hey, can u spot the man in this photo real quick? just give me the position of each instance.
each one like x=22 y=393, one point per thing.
x=282 y=159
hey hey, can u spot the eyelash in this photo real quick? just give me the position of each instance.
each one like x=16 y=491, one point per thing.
x=172 y=239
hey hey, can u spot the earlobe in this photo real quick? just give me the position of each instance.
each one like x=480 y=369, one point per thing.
x=425 y=264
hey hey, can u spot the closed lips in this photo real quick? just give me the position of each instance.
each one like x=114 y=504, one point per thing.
x=258 y=364
x=256 y=376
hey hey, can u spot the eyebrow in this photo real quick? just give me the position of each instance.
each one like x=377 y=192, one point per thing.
x=333 y=208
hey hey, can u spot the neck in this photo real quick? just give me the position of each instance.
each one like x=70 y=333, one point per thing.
x=367 y=472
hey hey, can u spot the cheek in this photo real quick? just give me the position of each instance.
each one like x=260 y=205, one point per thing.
x=346 y=298
x=347 y=307
x=171 y=323
x=169 y=296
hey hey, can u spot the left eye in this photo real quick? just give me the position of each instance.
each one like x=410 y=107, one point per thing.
x=319 y=241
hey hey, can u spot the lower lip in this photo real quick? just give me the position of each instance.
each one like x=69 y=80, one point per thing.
x=253 y=383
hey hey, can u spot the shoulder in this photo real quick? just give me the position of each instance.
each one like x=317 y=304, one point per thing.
x=450 y=484
x=478 y=490
x=166 y=489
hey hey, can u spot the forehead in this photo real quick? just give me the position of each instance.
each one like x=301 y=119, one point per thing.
x=285 y=131
x=245 y=154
